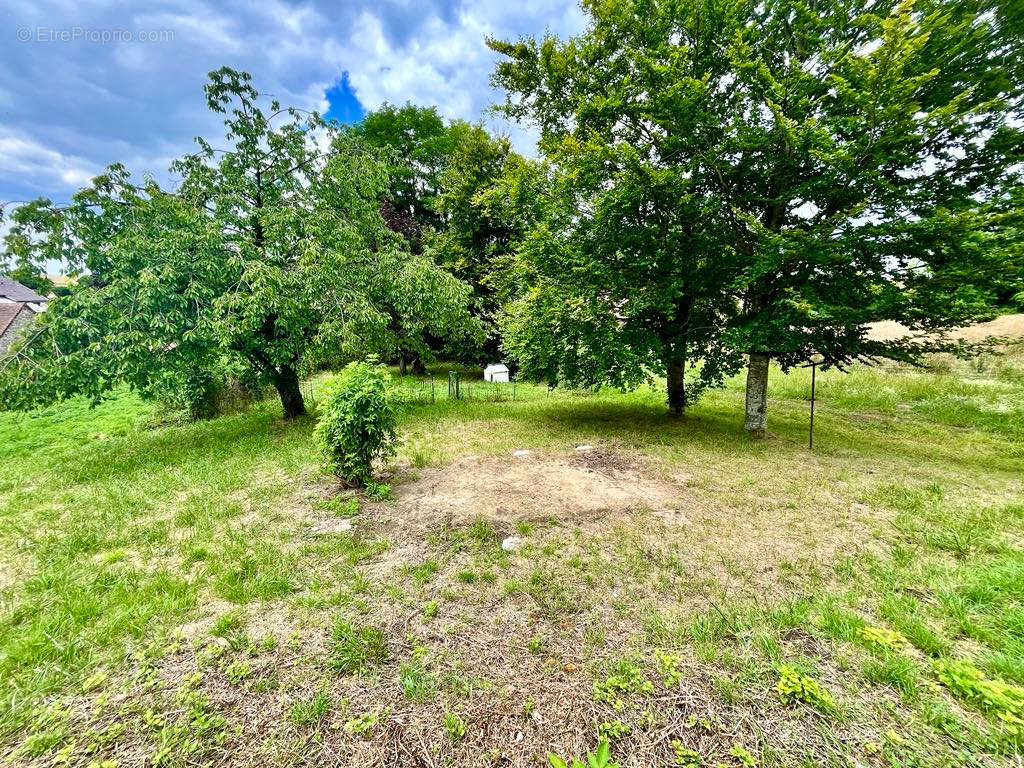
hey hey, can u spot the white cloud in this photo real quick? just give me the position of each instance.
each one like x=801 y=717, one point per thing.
x=43 y=166
x=67 y=109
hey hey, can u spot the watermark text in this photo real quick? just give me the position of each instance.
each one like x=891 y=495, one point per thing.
x=93 y=36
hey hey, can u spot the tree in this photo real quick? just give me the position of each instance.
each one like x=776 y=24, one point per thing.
x=419 y=146
x=271 y=254
x=476 y=233
x=438 y=171
x=841 y=159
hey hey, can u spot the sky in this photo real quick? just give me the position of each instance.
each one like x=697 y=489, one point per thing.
x=83 y=85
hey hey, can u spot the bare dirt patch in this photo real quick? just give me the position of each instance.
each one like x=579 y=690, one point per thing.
x=574 y=489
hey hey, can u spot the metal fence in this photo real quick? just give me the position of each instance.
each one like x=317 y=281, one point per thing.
x=420 y=391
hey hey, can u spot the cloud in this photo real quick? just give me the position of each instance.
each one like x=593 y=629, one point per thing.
x=69 y=107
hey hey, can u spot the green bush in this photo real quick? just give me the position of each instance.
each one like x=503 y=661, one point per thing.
x=358 y=422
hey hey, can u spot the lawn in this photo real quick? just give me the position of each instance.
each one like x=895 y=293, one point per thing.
x=190 y=594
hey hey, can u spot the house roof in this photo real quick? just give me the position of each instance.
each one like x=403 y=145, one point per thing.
x=12 y=290
x=7 y=314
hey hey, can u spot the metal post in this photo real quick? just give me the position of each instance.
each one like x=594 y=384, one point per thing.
x=810 y=437
x=432 y=397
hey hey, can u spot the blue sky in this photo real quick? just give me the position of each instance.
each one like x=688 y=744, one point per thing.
x=85 y=85
x=343 y=104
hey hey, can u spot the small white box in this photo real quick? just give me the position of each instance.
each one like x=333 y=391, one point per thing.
x=496 y=372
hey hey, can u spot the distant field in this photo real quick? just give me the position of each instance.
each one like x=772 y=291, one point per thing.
x=202 y=594
x=1006 y=326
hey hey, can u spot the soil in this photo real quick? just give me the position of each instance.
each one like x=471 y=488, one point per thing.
x=575 y=489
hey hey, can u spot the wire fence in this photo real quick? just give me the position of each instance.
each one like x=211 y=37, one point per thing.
x=431 y=389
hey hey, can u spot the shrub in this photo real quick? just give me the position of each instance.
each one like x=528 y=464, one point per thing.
x=358 y=422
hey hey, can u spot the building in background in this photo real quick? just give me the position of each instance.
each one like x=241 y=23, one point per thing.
x=18 y=306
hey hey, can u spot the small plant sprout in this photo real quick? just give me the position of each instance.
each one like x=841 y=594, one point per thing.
x=881 y=638
x=455 y=727
x=599 y=759
x=311 y=711
x=744 y=755
x=668 y=666
x=362 y=725
x=683 y=755
x=612 y=730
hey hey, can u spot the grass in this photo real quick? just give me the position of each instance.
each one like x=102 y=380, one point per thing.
x=162 y=598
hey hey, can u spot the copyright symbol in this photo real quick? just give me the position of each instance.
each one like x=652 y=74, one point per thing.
x=24 y=34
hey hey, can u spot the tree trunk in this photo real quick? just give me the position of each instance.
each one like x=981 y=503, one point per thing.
x=286 y=382
x=757 y=395
x=676 y=387
x=402 y=371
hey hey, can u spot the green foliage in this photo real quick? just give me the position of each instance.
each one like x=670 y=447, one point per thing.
x=997 y=697
x=627 y=679
x=362 y=725
x=683 y=756
x=764 y=178
x=612 y=730
x=883 y=638
x=237 y=671
x=743 y=754
x=416 y=680
x=271 y=255
x=310 y=711
x=419 y=146
x=357 y=423
x=454 y=726
x=378 y=491
x=792 y=685
x=357 y=649
x=600 y=759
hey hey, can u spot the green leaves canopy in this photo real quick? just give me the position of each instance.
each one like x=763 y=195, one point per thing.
x=272 y=254
x=820 y=165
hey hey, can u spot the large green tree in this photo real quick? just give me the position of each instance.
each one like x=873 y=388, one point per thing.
x=834 y=163
x=439 y=171
x=477 y=233
x=271 y=253
x=419 y=145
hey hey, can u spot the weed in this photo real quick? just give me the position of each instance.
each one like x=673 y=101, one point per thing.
x=237 y=671
x=600 y=759
x=416 y=680
x=357 y=649
x=683 y=756
x=362 y=725
x=668 y=666
x=883 y=639
x=454 y=726
x=744 y=755
x=227 y=624
x=794 y=686
x=378 y=491
x=998 y=698
x=627 y=679
x=311 y=711
x=343 y=506
x=612 y=730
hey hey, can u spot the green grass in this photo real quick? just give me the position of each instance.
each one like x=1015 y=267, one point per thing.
x=138 y=559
